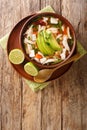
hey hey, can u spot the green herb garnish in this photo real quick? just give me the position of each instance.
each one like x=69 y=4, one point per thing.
x=35 y=27
x=70 y=42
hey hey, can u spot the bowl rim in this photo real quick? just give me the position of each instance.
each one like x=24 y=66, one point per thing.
x=29 y=21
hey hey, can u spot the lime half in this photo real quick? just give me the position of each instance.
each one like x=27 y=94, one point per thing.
x=31 y=69
x=16 y=56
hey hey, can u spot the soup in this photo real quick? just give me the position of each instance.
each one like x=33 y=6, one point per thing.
x=48 y=40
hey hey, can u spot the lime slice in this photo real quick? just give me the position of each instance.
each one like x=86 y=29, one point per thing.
x=16 y=56
x=31 y=69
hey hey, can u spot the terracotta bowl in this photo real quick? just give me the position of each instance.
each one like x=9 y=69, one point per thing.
x=30 y=21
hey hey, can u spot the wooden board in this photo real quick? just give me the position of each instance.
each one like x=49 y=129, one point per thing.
x=63 y=104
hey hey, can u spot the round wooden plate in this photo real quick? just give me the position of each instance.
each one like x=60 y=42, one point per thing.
x=13 y=42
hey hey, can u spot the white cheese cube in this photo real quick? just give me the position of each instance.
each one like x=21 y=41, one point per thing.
x=45 y=19
x=26 y=40
x=32 y=53
x=28 y=47
x=54 y=20
x=42 y=60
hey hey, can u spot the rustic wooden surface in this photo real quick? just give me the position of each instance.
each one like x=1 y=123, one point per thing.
x=63 y=104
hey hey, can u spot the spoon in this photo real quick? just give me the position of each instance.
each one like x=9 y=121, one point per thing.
x=45 y=74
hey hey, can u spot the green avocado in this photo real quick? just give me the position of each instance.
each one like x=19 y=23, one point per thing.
x=49 y=38
x=43 y=46
x=39 y=41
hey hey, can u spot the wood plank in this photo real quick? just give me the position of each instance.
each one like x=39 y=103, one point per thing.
x=31 y=102
x=69 y=10
x=71 y=100
x=51 y=107
x=1 y=65
x=29 y=6
x=72 y=93
x=83 y=85
x=11 y=99
x=10 y=15
x=51 y=96
x=31 y=109
x=82 y=34
x=11 y=81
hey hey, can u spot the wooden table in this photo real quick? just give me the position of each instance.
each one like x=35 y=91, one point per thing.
x=63 y=104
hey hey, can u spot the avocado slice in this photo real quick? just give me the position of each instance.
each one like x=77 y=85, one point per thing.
x=40 y=45
x=44 y=47
x=49 y=38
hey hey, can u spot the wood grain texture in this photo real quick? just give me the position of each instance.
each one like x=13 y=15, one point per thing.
x=1 y=66
x=63 y=104
x=82 y=34
x=10 y=80
x=11 y=99
x=29 y=6
x=51 y=107
x=74 y=88
x=31 y=109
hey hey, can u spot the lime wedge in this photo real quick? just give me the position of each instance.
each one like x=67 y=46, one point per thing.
x=16 y=56
x=31 y=69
